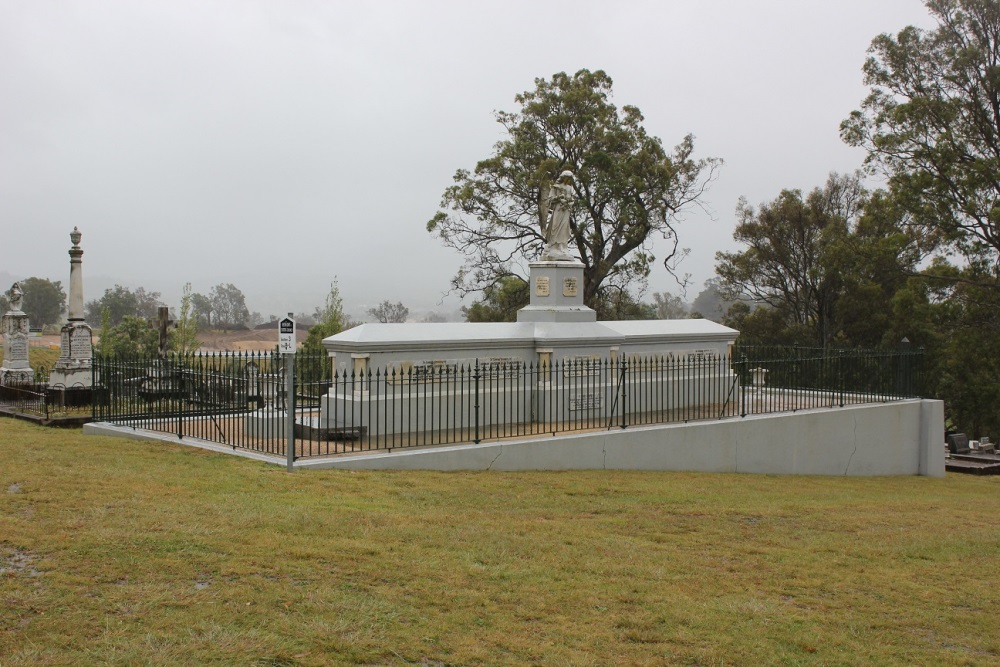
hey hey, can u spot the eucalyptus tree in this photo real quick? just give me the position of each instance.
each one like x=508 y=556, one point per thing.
x=121 y=302
x=629 y=189
x=822 y=268
x=388 y=312
x=44 y=300
x=931 y=123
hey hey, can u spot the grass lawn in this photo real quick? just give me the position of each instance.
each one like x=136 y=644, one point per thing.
x=38 y=357
x=115 y=552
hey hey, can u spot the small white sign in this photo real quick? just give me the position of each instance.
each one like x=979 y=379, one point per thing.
x=286 y=336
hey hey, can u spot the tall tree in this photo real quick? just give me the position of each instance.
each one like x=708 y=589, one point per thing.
x=500 y=301
x=622 y=304
x=330 y=319
x=711 y=303
x=629 y=189
x=201 y=305
x=968 y=362
x=229 y=307
x=121 y=302
x=44 y=301
x=816 y=265
x=132 y=336
x=931 y=122
x=390 y=312
x=184 y=336
x=669 y=306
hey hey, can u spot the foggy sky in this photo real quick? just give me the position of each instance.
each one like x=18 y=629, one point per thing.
x=277 y=145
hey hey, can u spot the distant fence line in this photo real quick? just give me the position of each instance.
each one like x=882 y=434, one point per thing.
x=240 y=399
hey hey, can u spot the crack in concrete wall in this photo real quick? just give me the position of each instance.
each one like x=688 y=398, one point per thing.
x=855 y=451
x=736 y=451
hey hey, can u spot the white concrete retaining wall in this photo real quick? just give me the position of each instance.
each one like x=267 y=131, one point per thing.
x=901 y=438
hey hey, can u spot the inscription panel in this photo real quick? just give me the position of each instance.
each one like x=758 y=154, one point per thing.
x=581 y=366
x=64 y=347
x=80 y=343
x=588 y=401
x=17 y=348
x=570 y=286
x=497 y=367
x=542 y=286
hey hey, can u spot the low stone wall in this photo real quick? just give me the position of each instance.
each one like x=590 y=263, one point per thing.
x=899 y=438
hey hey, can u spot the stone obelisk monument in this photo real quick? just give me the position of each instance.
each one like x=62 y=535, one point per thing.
x=76 y=348
x=15 y=369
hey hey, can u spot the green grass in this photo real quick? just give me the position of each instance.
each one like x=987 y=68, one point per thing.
x=38 y=358
x=115 y=552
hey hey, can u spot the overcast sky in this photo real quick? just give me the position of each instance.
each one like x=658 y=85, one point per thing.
x=276 y=145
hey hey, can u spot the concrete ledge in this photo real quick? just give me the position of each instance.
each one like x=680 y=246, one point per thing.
x=115 y=431
x=899 y=438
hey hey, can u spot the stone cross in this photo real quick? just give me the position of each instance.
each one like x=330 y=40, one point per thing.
x=165 y=323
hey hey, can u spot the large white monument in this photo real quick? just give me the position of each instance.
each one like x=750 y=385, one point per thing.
x=76 y=349
x=15 y=370
x=556 y=330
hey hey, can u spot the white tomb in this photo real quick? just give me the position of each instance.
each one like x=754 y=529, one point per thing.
x=589 y=360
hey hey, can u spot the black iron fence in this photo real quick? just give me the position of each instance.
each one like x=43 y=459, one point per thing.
x=242 y=400
x=45 y=403
x=28 y=399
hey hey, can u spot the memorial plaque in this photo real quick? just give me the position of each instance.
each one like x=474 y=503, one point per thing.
x=589 y=401
x=64 y=345
x=81 y=343
x=17 y=348
x=542 y=286
x=581 y=366
x=569 y=286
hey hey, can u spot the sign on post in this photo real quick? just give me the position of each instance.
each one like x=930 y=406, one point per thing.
x=286 y=336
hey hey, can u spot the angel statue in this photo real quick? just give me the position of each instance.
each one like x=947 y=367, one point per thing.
x=556 y=206
x=14 y=296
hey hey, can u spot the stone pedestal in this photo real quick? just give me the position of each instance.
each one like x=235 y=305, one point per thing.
x=76 y=346
x=76 y=351
x=16 y=369
x=556 y=294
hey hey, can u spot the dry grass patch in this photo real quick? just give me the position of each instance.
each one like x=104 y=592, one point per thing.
x=135 y=553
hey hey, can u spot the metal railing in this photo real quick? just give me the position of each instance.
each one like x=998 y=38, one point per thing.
x=240 y=399
x=29 y=399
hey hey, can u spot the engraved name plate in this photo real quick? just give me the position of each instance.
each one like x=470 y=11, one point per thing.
x=569 y=286
x=542 y=286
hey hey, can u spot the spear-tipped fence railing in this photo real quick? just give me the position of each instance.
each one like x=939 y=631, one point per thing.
x=239 y=399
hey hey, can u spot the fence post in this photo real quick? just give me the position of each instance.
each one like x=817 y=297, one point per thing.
x=903 y=370
x=475 y=407
x=621 y=386
x=840 y=374
x=917 y=373
x=290 y=409
x=743 y=393
x=176 y=390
